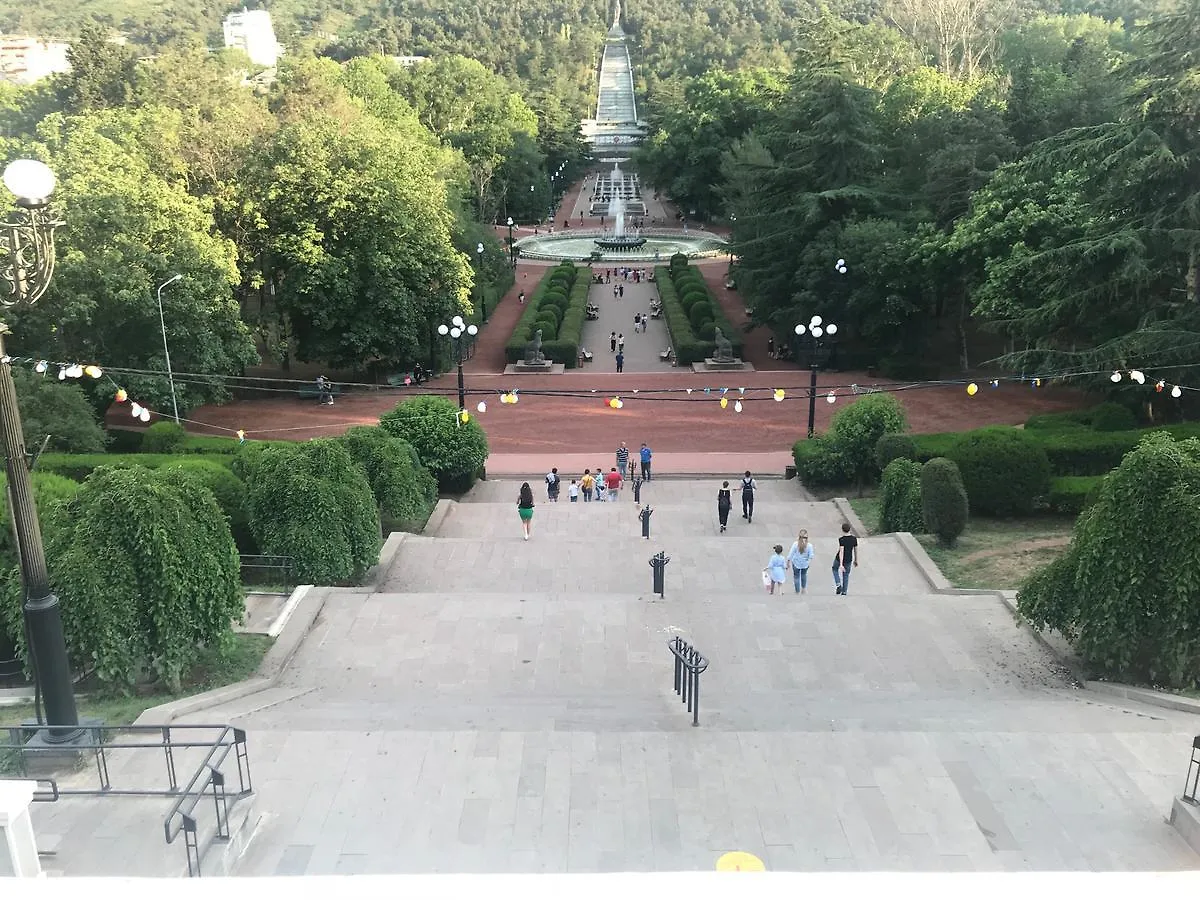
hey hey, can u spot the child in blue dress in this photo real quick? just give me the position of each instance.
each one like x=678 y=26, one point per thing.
x=776 y=568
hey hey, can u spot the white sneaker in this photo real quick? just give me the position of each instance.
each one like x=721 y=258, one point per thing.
x=526 y=536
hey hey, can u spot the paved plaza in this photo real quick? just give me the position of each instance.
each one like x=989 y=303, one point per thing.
x=616 y=314
x=501 y=706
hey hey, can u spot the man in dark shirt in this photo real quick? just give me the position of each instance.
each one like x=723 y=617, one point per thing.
x=847 y=556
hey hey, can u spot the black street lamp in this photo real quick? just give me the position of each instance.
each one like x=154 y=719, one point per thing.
x=816 y=331
x=457 y=329
x=27 y=245
x=512 y=248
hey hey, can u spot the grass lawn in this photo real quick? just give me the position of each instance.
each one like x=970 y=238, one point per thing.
x=992 y=553
x=1000 y=553
x=211 y=671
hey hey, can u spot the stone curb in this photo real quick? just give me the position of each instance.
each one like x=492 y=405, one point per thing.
x=939 y=585
x=436 y=519
x=847 y=511
x=387 y=555
x=273 y=664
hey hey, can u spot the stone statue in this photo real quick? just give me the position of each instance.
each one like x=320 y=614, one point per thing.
x=533 y=351
x=724 y=351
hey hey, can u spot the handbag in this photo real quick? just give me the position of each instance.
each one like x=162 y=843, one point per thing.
x=766 y=579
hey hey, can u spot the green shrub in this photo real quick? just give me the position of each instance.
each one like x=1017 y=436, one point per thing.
x=900 y=507
x=1072 y=494
x=452 y=450
x=163 y=437
x=708 y=331
x=943 y=501
x=688 y=345
x=403 y=488
x=857 y=428
x=148 y=574
x=1112 y=417
x=1005 y=471
x=678 y=261
x=226 y=488
x=562 y=279
x=1074 y=418
x=78 y=466
x=1124 y=593
x=122 y=440
x=312 y=502
x=699 y=314
x=818 y=462
x=60 y=410
x=894 y=445
x=49 y=490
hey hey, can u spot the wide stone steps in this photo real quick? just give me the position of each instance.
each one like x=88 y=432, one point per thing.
x=665 y=490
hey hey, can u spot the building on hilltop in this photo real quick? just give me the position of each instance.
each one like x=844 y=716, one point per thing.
x=408 y=61
x=251 y=32
x=24 y=60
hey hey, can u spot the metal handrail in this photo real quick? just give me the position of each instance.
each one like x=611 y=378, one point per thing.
x=284 y=565
x=1193 y=775
x=180 y=817
x=688 y=666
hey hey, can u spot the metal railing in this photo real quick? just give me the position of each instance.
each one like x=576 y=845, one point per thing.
x=1193 y=775
x=689 y=664
x=268 y=570
x=208 y=780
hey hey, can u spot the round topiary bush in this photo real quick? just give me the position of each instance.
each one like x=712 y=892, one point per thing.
x=857 y=428
x=900 y=506
x=404 y=489
x=1004 y=470
x=549 y=329
x=943 y=500
x=454 y=451
x=678 y=261
x=699 y=314
x=228 y=490
x=894 y=446
x=1112 y=417
x=313 y=503
x=163 y=437
x=707 y=330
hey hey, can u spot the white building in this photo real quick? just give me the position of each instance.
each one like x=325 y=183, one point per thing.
x=251 y=32
x=28 y=59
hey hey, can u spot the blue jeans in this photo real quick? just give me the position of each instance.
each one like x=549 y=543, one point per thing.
x=623 y=467
x=844 y=582
x=800 y=578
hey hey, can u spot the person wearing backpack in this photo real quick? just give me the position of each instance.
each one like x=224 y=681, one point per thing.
x=552 y=485
x=749 y=486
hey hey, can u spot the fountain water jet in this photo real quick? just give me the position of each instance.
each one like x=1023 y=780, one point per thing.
x=618 y=240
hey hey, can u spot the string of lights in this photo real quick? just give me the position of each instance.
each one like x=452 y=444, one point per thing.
x=735 y=397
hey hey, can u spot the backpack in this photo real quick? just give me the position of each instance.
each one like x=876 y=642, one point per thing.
x=552 y=480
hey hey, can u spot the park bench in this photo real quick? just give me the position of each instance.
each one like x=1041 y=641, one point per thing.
x=312 y=392
x=585 y=355
x=667 y=355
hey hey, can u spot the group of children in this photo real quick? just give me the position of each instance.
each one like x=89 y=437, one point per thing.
x=600 y=486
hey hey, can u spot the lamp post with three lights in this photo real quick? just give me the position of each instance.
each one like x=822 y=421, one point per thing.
x=457 y=330
x=815 y=333
x=27 y=245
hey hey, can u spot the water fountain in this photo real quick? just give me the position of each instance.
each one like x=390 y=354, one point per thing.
x=618 y=239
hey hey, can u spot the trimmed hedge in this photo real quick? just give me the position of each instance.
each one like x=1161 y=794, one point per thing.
x=1106 y=416
x=1005 y=471
x=943 y=500
x=78 y=466
x=689 y=347
x=1071 y=450
x=900 y=507
x=560 y=343
x=163 y=437
x=1072 y=494
x=892 y=446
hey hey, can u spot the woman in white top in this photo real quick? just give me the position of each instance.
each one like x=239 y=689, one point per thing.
x=800 y=558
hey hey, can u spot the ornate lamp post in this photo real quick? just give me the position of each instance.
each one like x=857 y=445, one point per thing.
x=456 y=330
x=816 y=331
x=512 y=248
x=27 y=246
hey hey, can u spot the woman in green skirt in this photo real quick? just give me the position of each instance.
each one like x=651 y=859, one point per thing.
x=525 y=507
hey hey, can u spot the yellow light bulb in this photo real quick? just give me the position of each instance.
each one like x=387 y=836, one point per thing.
x=972 y=389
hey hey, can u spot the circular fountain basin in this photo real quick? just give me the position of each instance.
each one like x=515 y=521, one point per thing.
x=656 y=245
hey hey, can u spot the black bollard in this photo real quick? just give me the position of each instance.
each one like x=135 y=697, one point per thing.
x=658 y=562
x=645 y=515
x=637 y=490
